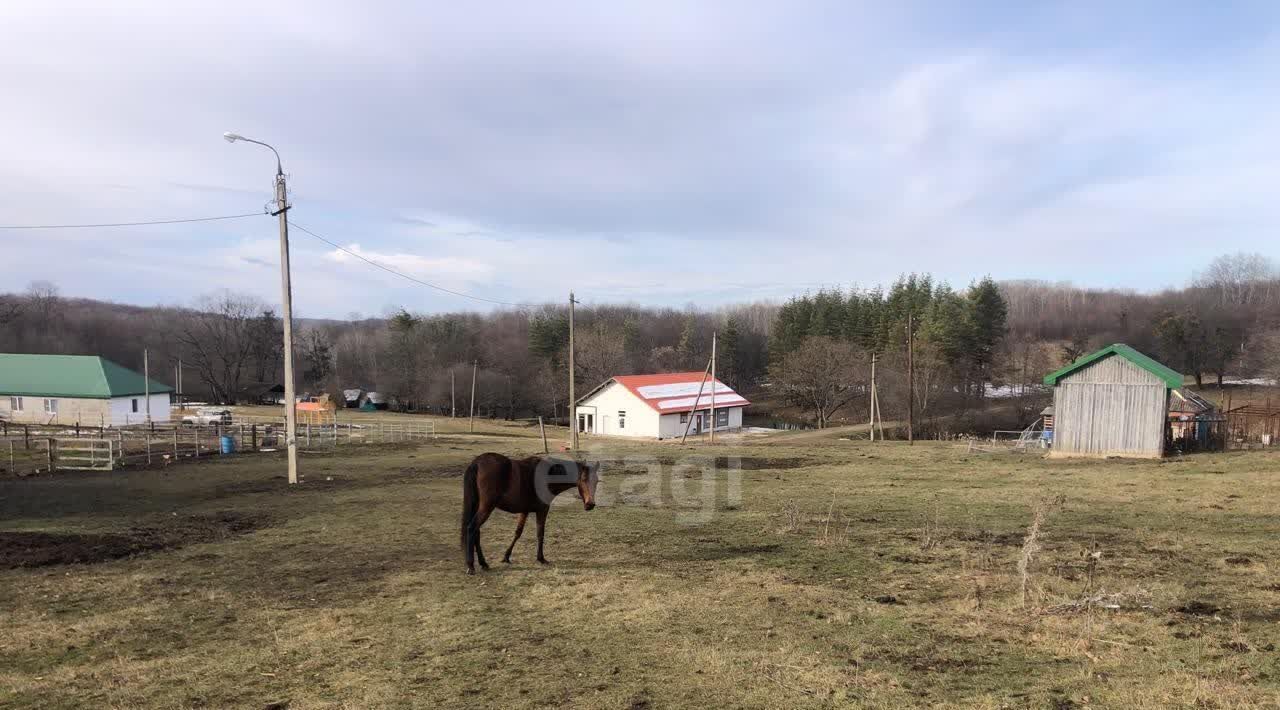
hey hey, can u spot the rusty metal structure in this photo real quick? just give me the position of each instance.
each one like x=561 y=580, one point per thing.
x=1251 y=425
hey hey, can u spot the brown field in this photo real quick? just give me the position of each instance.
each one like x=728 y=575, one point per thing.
x=843 y=574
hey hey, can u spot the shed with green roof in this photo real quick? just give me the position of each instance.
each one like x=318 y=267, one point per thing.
x=70 y=389
x=1113 y=402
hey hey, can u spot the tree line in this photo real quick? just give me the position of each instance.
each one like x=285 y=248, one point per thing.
x=811 y=354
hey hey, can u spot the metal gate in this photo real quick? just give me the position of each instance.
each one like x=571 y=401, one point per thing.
x=83 y=454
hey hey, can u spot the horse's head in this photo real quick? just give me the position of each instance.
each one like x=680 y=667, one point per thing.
x=588 y=477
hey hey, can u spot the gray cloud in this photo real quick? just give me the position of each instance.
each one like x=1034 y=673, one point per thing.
x=735 y=147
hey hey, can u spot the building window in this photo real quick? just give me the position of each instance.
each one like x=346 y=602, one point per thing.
x=684 y=417
x=15 y=404
x=135 y=406
x=51 y=406
x=722 y=417
x=622 y=419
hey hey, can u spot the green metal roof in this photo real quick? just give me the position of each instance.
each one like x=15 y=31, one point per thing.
x=78 y=376
x=1170 y=377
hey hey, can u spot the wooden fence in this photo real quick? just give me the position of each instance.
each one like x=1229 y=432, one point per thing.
x=33 y=448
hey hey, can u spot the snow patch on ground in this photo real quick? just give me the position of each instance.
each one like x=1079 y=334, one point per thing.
x=1253 y=381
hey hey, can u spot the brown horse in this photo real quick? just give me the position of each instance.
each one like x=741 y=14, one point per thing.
x=520 y=487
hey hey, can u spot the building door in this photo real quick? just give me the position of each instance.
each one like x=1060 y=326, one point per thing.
x=697 y=423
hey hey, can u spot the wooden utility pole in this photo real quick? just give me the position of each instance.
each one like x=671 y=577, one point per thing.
x=474 y=364
x=698 y=397
x=911 y=380
x=872 y=421
x=713 y=387
x=573 y=402
x=146 y=391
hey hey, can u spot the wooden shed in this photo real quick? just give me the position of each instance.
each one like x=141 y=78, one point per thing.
x=1114 y=402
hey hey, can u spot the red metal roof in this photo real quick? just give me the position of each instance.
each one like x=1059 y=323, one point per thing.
x=677 y=391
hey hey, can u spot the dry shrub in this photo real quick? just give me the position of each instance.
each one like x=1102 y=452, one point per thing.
x=792 y=517
x=1031 y=543
x=932 y=536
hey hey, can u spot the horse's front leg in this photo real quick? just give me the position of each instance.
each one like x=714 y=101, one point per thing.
x=542 y=529
x=519 y=529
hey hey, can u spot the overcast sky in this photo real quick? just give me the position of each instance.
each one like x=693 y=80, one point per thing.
x=653 y=152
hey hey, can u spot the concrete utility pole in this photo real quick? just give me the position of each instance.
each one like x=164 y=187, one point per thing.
x=146 y=382
x=713 y=387
x=474 y=365
x=911 y=380
x=286 y=315
x=872 y=425
x=573 y=402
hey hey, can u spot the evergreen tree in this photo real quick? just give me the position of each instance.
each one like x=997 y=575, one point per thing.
x=549 y=337
x=686 y=348
x=988 y=314
x=728 y=352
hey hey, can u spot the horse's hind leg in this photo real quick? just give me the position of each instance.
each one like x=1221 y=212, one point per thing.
x=519 y=529
x=482 y=514
x=542 y=529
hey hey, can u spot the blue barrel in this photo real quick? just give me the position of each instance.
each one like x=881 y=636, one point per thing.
x=228 y=445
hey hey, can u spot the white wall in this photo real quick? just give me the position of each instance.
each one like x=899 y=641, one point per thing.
x=671 y=425
x=642 y=420
x=122 y=410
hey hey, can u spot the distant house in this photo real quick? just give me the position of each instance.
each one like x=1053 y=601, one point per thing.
x=71 y=389
x=372 y=401
x=351 y=397
x=658 y=406
x=272 y=395
x=1114 y=402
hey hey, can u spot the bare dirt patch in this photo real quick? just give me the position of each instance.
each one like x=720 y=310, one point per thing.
x=745 y=463
x=43 y=549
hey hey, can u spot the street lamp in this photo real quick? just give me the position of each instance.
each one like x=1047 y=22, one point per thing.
x=290 y=401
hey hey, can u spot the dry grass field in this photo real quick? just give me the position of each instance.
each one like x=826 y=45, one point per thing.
x=817 y=573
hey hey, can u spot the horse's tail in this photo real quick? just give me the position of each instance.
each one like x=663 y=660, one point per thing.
x=470 y=499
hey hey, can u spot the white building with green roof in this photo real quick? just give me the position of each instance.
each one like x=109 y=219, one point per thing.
x=71 y=389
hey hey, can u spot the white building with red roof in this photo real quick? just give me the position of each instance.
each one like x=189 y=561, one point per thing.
x=659 y=406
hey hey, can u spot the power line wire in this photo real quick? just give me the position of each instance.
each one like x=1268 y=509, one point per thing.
x=401 y=274
x=131 y=224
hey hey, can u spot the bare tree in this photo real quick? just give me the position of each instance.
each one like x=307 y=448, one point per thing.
x=218 y=338
x=600 y=354
x=10 y=309
x=1239 y=279
x=819 y=376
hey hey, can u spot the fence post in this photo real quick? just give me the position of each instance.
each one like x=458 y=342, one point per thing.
x=120 y=438
x=148 y=437
x=543 y=429
x=308 y=432
x=175 y=443
x=50 y=444
x=26 y=436
x=12 y=468
x=253 y=436
x=197 y=441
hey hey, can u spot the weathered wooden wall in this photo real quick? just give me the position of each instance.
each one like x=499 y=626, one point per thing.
x=1110 y=408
